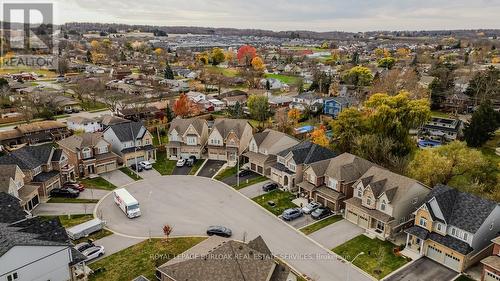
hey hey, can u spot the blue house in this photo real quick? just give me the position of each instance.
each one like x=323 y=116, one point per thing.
x=334 y=105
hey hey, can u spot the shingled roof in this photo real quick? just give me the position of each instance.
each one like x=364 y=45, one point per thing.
x=227 y=126
x=461 y=209
x=348 y=167
x=128 y=131
x=77 y=142
x=181 y=125
x=28 y=157
x=307 y=152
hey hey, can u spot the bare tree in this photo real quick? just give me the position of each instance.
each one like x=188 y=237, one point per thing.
x=167 y=230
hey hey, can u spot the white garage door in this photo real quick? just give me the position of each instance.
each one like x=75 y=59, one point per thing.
x=434 y=253
x=363 y=222
x=352 y=217
x=100 y=169
x=490 y=276
x=451 y=262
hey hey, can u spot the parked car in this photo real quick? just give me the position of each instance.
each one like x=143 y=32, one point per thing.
x=219 y=231
x=146 y=165
x=269 y=186
x=190 y=162
x=291 y=214
x=321 y=212
x=84 y=246
x=309 y=208
x=67 y=192
x=74 y=185
x=181 y=162
x=244 y=173
x=137 y=168
x=93 y=252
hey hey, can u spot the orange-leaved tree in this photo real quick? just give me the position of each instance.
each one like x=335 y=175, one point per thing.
x=246 y=53
x=181 y=106
x=294 y=115
x=318 y=136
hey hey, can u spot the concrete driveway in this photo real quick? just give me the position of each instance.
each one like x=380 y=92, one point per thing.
x=114 y=243
x=149 y=173
x=93 y=193
x=56 y=209
x=254 y=190
x=117 y=177
x=336 y=234
x=210 y=168
x=232 y=180
x=191 y=204
x=423 y=269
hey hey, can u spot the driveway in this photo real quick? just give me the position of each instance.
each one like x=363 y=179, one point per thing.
x=423 y=269
x=302 y=221
x=254 y=190
x=115 y=243
x=184 y=170
x=149 y=173
x=232 y=180
x=336 y=234
x=56 y=209
x=190 y=204
x=93 y=193
x=117 y=178
x=211 y=168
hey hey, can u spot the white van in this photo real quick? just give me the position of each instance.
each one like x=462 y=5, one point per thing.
x=127 y=203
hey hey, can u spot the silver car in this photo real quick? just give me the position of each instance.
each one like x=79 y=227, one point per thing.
x=309 y=208
x=93 y=252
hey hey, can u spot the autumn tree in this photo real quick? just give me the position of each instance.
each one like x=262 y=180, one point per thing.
x=217 y=56
x=181 y=106
x=167 y=230
x=294 y=115
x=258 y=64
x=246 y=54
x=318 y=136
x=258 y=107
x=387 y=62
x=348 y=126
x=358 y=76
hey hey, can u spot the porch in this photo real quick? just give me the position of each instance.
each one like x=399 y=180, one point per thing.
x=284 y=177
x=376 y=223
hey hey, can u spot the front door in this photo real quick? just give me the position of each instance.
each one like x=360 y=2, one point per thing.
x=91 y=169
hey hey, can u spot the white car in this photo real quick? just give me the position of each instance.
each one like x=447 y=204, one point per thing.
x=93 y=252
x=146 y=165
x=309 y=208
x=181 y=162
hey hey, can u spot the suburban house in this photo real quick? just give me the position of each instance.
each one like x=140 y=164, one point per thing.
x=334 y=105
x=306 y=100
x=264 y=147
x=454 y=228
x=330 y=181
x=491 y=264
x=131 y=141
x=12 y=182
x=187 y=137
x=383 y=202
x=108 y=120
x=232 y=97
x=445 y=128
x=228 y=139
x=34 y=248
x=241 y=262
x=42 y=165
x=83 y=124
x=34 y=133
x=89 y=153
x=288 y=171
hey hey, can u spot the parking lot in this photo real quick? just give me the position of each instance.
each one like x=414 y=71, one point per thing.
x=211 y=168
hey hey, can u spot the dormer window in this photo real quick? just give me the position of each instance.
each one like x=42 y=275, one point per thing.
x=382 y=205
x=86 y=153
x=359 y=193
x=368 y=201
x=422 y=222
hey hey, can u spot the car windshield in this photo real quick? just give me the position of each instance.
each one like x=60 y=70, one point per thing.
x=133 y=207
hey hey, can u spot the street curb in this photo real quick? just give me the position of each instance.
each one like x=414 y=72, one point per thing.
x=201 y=167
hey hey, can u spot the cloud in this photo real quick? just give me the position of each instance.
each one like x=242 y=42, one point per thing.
x=319 y=15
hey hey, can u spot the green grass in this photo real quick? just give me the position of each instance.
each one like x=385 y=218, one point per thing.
x=141 y=259
x=94 y=236
x=92 y=105
x=320 y=224
x=436 y=113
x=228 y=72
x=130 y=173
x=156 y=142
x=252 y=181
x=226 y=173
x=282 y=199
x=71 y=220
x=98 y=183
x=378 y=255
x=163 y=165
x=196 y=166
x=72 y=200
x=288 y=79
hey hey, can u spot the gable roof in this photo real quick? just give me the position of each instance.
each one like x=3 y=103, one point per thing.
x=129 y=131
x=39 y=126
x=29 y=157
x=347 y=167
x=461 y=209
x=268 y=138
x=181 y=125
x=307 y=152
x=77 y=142
x=227 y=126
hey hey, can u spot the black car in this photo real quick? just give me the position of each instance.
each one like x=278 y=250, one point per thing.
x=219 y=231
x=67 y=192
x=137 y=168
x=269 y=186
x=244 y=173
x=190 y=161
x=321 y=212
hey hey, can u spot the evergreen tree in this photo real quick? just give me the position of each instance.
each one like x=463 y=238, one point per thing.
x=168 y=73
x=485 y=121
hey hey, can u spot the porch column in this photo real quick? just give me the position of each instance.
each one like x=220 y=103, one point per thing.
x=407 y=239
x=421 y=247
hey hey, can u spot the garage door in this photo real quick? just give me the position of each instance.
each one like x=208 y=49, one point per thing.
x=451 y=262
x=352 y=217
x=434 y=254
x=132 y=160
x=363 y=222
x=100 y=169
x=490 y=276
x=106 y=167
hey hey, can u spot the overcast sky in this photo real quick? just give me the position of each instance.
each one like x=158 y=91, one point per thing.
x=316 y=15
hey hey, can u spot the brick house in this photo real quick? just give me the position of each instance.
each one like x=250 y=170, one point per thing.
x=228 y=140
x=491 y=264
x=12 y=182
x=187 y=137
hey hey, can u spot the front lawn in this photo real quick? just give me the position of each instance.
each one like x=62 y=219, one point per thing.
x=196 y=166
x=288 y=79
x=141 y=259
x=130 y=173
x=71 y=220
x=252 y=181
x=226 y=173
x=163 y=165
x=71 y=200
x=98 y=183
x=378 y=259
x=94 y=236
x=92 y=105
x=163 y=139
x=282 y=199
x=320 y=224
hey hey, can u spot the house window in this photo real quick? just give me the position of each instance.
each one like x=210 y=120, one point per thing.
x=382 y=206
x=292 y=167
x=423 y=222
x=466 y=236
x=368 y=201
x=86 y=153
x=191 y=140
x=103 y=149
x=439 y=227
x=12 y=276
x=332 y=183
x=359 y=193
x=147 y=142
